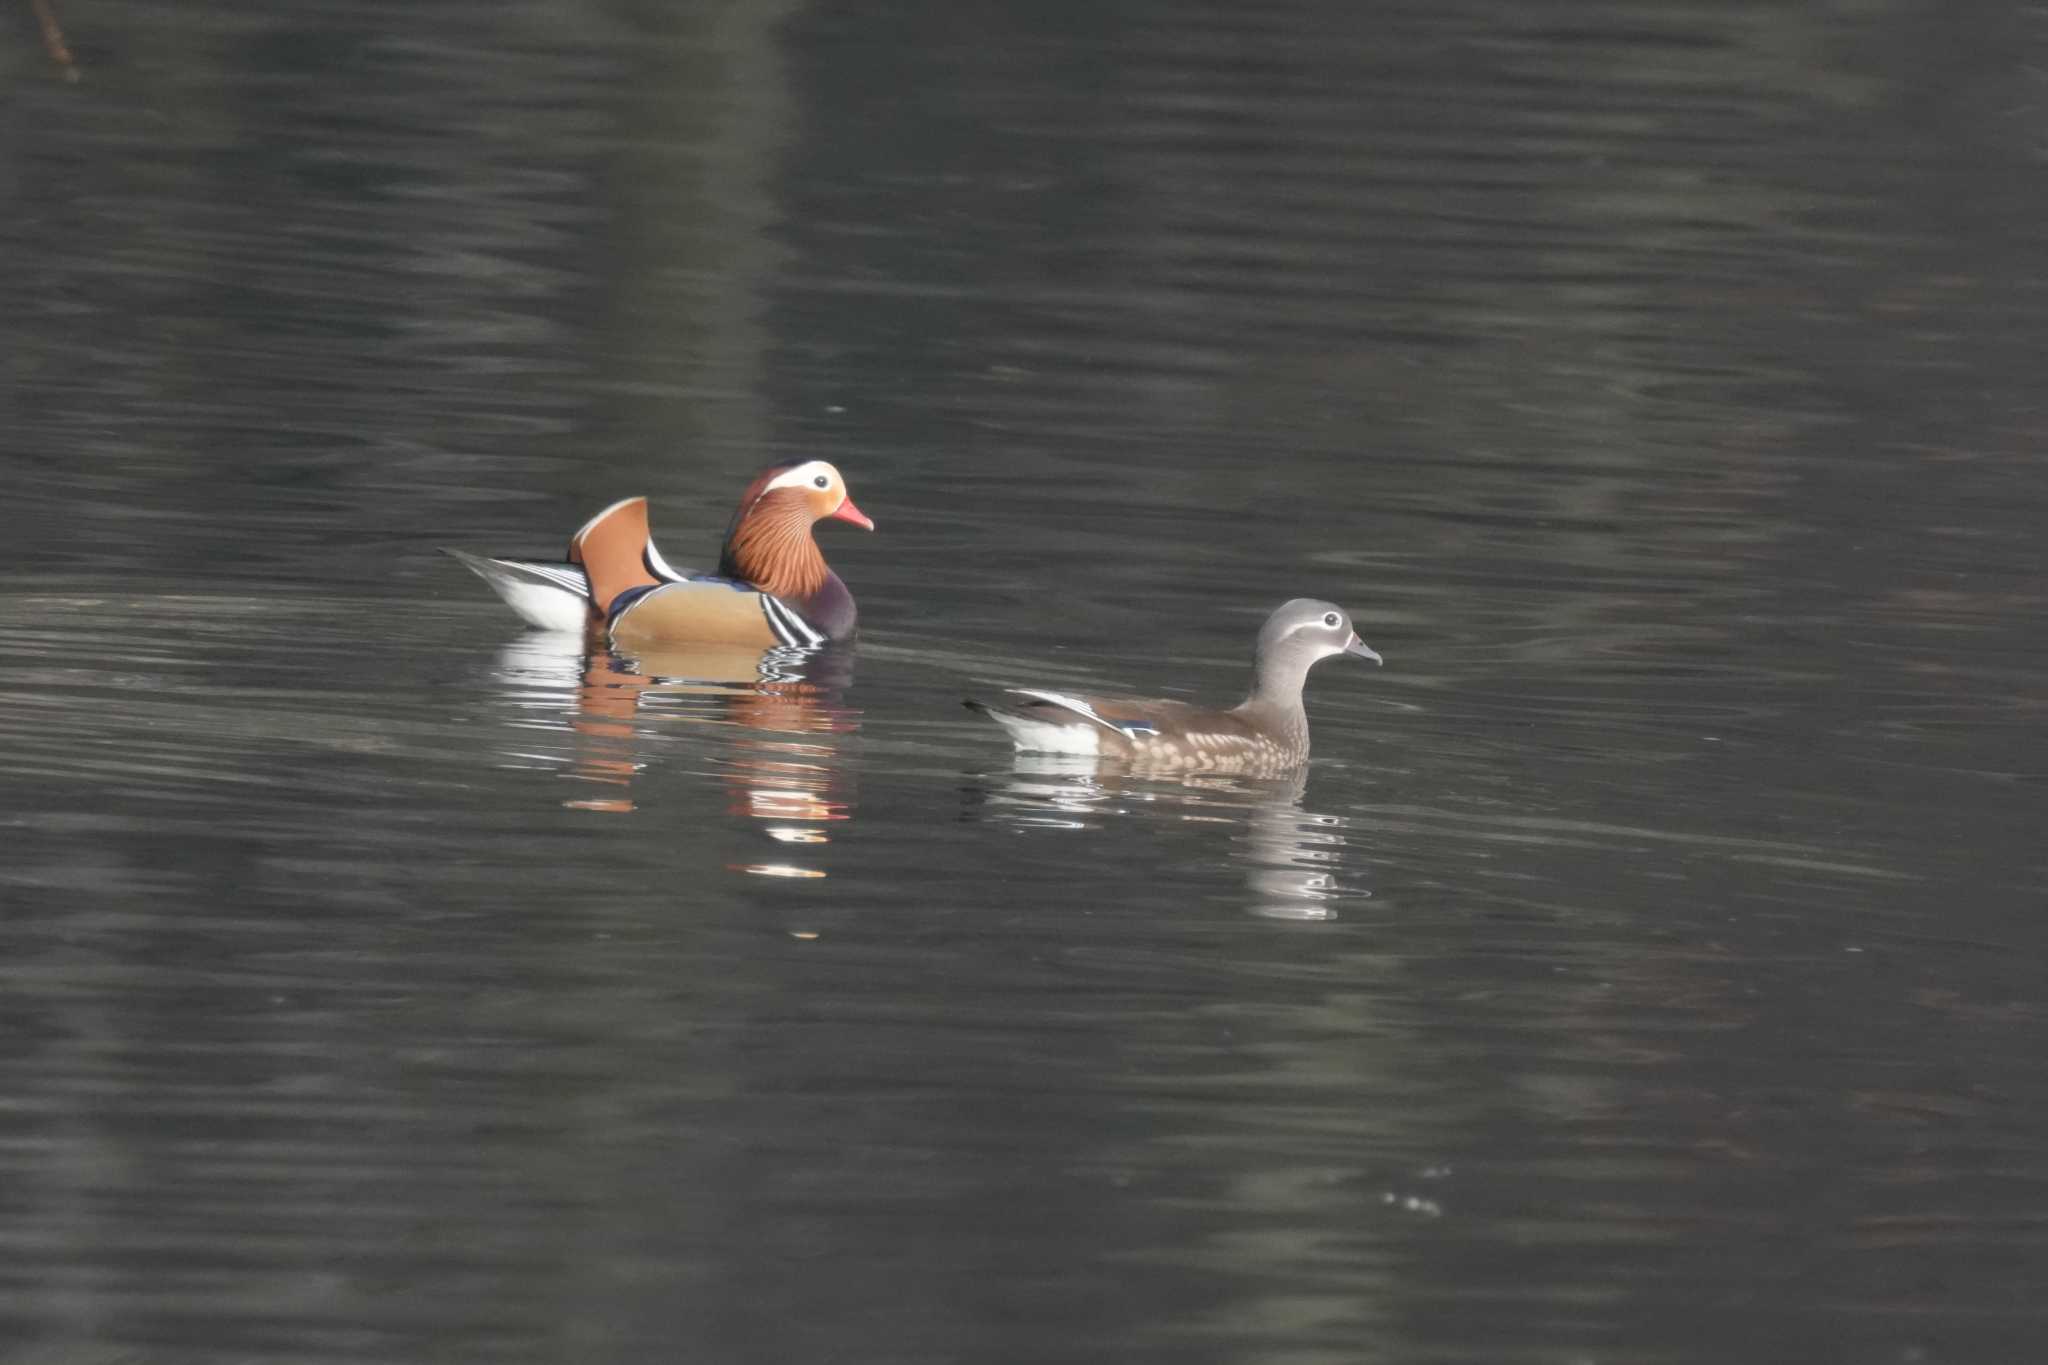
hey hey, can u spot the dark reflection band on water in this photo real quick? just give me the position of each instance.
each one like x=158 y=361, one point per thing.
x=607 y=710
x=1293 y=859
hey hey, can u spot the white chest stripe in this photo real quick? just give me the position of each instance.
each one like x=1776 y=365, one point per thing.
x=789 y=627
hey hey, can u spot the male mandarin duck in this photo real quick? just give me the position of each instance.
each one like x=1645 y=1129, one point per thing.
x=1266 y=732
x=772 y=586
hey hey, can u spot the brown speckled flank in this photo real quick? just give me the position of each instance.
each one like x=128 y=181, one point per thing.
x=1265 y=733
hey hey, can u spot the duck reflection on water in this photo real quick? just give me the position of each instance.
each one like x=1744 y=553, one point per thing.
x=1291 y=857
x=781 y=763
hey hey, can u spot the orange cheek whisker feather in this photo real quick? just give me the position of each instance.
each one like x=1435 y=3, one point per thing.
x=772 y=548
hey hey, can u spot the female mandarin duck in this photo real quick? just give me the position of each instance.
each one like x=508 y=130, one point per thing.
x=1266 y=732
x=772 y=586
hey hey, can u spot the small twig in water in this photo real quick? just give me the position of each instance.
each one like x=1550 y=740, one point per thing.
x=53 y=39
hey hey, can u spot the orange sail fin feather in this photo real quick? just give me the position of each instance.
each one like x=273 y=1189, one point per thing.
x=612 y=548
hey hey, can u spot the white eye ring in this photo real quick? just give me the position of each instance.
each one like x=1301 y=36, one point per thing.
x=821 y=482
x=1330 y=620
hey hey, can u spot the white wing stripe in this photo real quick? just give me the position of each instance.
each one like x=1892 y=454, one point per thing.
x=662 y=568
x=1074 y=704
x=566 y=576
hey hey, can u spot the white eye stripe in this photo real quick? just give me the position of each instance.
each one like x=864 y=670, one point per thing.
x=812 y=474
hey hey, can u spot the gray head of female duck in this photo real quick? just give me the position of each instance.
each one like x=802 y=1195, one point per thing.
x=1294 y=639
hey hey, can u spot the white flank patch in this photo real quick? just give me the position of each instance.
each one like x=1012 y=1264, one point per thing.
x=541 y=606
x=1049 y=737
x=545 y=596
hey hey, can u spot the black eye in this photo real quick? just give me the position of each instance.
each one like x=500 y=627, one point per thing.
x=1331 y=620
x=820 y=482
